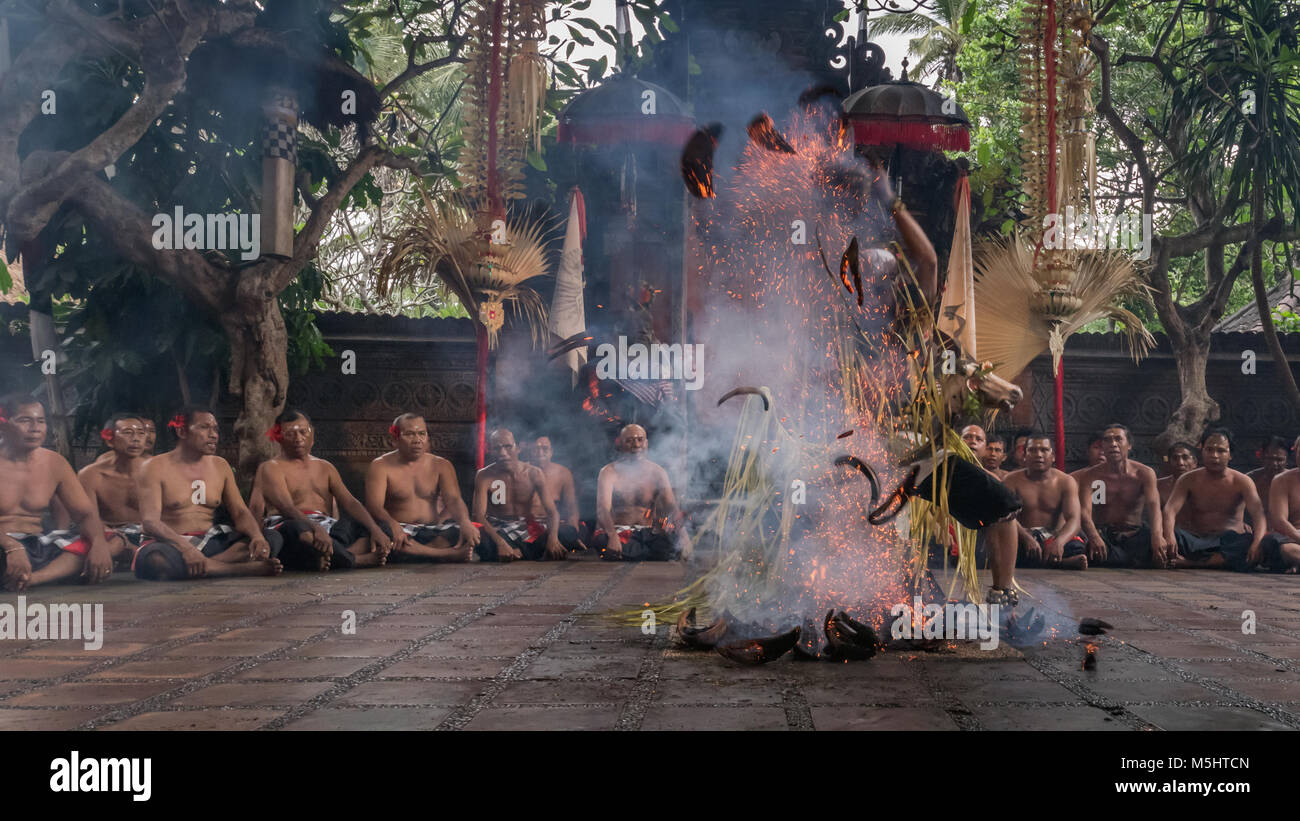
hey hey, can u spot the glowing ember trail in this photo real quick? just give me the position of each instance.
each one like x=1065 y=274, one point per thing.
x=830 y=367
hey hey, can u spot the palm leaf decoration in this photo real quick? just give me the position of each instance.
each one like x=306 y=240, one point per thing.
x=1013 y=329
x=442 y=239
x=1031 y=298
x=483 y=254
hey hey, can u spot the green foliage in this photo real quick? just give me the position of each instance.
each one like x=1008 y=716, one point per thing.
x=1242 y=88
x=1286 y=320
x=988 y=94
x=307 y=348
x=941 y=35
x=649 y=13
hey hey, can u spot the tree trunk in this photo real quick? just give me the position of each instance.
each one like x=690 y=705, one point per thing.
x=259 y=369
x=1197 y=409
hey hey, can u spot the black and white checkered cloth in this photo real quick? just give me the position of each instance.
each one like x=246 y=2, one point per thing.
x=280 y=140
x=55 y=538
x=274 y=522
x=415 y=529
x=213 y=532
x=514 y=531
x=134 y=534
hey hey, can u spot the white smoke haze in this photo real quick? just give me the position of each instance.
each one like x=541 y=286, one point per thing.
x=774 y=317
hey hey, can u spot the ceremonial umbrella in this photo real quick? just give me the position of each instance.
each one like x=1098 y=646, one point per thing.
x=907 y=114
x=904 y=114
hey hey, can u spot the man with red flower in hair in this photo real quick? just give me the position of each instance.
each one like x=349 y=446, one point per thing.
x=323 y=525
x=406 y=488
x=111 y=483
x=180 y=491
x=150 y=437
x=31 y=477
x=504 y=494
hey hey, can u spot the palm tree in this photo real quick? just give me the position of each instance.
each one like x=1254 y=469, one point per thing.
x=941 y=37
x=1247 y=97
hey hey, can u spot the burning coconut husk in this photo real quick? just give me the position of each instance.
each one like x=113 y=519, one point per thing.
x=697 y=161
x=701 y=638
x=1092 y=628
x=848 y=640
x=1025 y=628
x=759 y=651
x=763 y=132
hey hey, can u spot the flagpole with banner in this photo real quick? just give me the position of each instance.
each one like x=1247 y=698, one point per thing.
x=568 y=312
x=957 y=310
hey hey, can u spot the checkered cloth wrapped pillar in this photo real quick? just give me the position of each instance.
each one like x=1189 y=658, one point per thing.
x=279 y=161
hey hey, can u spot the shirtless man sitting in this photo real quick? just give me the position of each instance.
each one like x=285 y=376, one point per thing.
x=1216 y=497
x=111 y=484
x=305 y=492
x=1181 y=457
x=179 y=492
x=995 y=453
x=1272 y=459
x=30 y=478
x=560 y=484
x=1284 y=519
x=1113 y=497
x=629 y=493
x=1048 y=524
x=404 y=489
x=504 y=494
x=1095 y=455
x=150 y=437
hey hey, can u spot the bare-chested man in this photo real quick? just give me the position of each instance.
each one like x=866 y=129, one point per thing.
x=179 y=492
x=563 y=490
x=306 y=493
x=1095 y=455
x=1282 y=546
x=1272 y=457
x=404 y=489
x=995 y=453
x=30 y=478
x=635 y=501
x=1018 y=442
x=112 y=484
x=1217 y=497
x=976 y=440
x=150 y=437
x=1048 y=524
x=1180 y=457
x=504 y=494
x=1113 y=497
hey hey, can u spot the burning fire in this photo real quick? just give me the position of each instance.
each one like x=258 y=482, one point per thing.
x=798 y=331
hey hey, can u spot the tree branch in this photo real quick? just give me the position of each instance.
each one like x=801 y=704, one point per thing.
x=414 y=70
x=305 y=244
x=129 y=231
x=124 y=42
x=1106 y=108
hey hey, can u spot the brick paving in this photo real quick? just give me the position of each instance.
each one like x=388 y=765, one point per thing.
x=525 y=646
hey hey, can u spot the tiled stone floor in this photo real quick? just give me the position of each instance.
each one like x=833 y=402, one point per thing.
x=524 y=646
